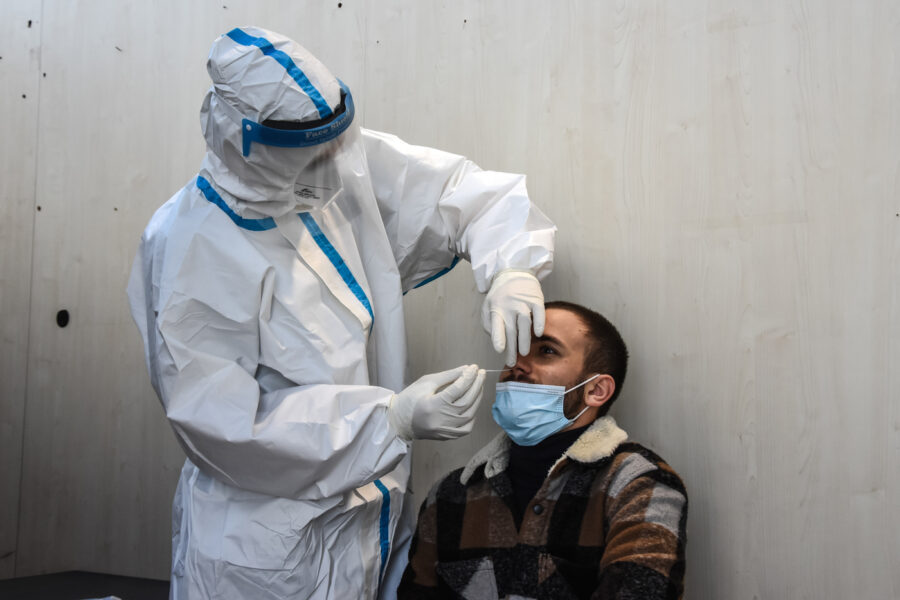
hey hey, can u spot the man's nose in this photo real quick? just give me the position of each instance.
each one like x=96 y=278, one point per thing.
x=523 y=364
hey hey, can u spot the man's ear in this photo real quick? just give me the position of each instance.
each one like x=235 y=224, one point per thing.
x=599 y=391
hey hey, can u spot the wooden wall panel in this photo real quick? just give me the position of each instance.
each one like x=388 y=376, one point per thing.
x=20 y=39
x=725 y=179
x=100 y=464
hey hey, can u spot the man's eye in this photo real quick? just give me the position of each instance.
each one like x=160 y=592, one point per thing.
x=547 y=350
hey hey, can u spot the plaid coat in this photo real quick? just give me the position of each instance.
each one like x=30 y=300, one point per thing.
x=608 y=522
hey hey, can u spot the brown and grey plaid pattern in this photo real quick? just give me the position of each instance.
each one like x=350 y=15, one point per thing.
x=611 y=528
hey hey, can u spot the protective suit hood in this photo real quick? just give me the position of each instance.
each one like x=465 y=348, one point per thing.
x=273 y=122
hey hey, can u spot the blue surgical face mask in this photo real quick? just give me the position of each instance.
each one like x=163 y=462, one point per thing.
x=530 y=413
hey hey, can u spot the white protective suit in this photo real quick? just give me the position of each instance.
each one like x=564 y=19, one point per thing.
x=268 y=294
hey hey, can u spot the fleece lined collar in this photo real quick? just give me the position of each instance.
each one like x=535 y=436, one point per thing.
x=599 y=441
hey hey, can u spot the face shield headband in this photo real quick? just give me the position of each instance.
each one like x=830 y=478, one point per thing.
x=292 y=134
x=300 y=135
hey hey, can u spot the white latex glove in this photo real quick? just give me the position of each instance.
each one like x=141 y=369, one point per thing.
x=507 y=312
x=439 y=406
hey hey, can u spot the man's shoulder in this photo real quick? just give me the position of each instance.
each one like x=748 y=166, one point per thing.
x=456 y=486
x=450 y=488
x=632 y=461
x=634 y=448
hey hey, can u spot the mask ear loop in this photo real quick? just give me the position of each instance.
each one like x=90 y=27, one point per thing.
x=585 y=382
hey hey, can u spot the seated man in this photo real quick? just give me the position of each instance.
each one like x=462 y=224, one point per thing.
x=559 y=505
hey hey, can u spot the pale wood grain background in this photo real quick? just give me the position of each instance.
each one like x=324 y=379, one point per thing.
x=19 y=81
x=725 y=177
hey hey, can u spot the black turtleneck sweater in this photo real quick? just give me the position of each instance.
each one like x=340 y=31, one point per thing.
x=529 y=465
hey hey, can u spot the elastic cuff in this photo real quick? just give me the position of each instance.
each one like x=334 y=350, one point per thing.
x=398 y=423
x=506 y=273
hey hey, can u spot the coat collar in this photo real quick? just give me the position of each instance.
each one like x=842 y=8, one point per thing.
x=599 y=441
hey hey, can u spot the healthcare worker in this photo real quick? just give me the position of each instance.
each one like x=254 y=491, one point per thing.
x=268 y=292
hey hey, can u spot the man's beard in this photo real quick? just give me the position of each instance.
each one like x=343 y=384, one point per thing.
x=572 y=401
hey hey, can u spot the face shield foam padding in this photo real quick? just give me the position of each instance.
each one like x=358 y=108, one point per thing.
x=299 y=138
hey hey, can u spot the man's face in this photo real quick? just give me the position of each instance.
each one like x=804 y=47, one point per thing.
x=555 y=358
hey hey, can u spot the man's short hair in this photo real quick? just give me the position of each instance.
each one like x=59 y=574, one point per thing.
x=606 y=352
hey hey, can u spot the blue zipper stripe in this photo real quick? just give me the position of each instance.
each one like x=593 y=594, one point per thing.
x=384 y=525
x=311 y=226
x=215 y=198
x=336 y=260
x=241 y=37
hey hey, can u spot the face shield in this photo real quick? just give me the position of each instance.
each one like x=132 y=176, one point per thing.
x=278 y=122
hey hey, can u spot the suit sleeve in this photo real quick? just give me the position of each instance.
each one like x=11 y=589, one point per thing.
x=200 y=317
x=439 y=207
